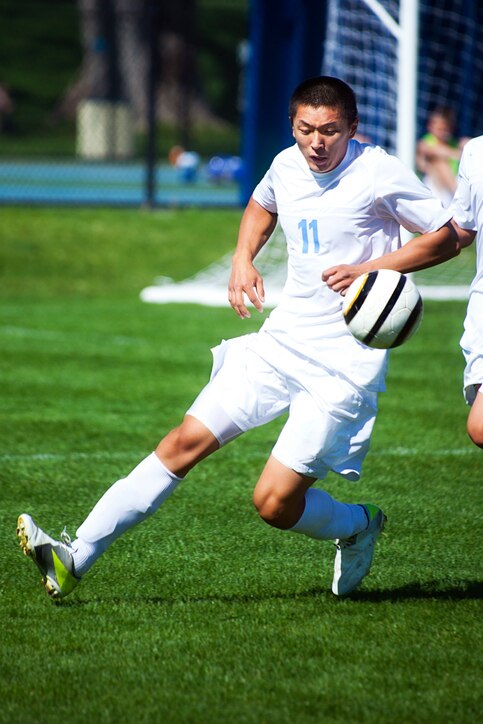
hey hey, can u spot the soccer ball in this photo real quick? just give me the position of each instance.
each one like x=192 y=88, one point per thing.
x=382 y=309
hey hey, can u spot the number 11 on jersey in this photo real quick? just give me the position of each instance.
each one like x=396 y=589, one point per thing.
x=305 y=228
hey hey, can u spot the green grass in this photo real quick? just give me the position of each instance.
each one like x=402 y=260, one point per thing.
x=203 y=613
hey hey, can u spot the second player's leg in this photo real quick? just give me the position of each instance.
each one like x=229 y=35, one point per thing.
x=475 y=420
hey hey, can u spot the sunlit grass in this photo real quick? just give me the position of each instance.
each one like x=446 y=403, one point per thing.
x=203 y=613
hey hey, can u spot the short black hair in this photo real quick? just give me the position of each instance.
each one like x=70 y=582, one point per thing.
x=324 y=90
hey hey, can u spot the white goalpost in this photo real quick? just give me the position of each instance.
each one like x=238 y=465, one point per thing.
x=406 y=33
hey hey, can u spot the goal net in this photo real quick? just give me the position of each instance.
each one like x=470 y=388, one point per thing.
x=210 y=286
x=361 y=49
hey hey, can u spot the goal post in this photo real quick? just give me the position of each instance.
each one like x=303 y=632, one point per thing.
x=407 y=81
x=406 y=34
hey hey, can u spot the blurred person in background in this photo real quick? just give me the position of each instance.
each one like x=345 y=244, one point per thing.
x=438 y=153
x=186 y=162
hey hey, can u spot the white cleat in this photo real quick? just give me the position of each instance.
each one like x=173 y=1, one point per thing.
x=354 y=555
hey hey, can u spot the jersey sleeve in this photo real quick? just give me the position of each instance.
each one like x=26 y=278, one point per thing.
x=461 y=205
x=400 y=195
x=264 y=193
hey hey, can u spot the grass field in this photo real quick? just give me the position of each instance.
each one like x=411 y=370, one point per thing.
x=203 y=613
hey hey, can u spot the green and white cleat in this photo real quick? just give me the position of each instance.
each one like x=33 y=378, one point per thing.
x=354 y=555
x=53 y=558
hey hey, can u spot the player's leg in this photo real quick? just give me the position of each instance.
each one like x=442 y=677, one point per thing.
x=205 y=428
x=279 y=494
x=475 y=419
x=134 y=498
x=315 y=439
x=186 y=445
x=126 y=503
x=472 y=347
x=286 y=500
x=130 y=500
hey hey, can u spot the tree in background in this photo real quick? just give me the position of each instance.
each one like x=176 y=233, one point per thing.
x=52 y=56
x=116 y=42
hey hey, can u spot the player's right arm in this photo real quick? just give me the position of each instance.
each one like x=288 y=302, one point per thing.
x=421 y=252
x=465 y=236
x=256 y=227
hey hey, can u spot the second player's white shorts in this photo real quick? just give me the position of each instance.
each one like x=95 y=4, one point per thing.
x=330 y=420
x=472 y=347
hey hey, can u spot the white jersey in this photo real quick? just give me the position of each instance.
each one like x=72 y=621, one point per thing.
x=468 y=213
x=468 y=201
x=346 y=216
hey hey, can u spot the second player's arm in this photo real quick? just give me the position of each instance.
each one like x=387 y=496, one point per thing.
x=256 y=227
x=421 y=252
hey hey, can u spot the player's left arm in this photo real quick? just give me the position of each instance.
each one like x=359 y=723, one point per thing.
x=421 y=252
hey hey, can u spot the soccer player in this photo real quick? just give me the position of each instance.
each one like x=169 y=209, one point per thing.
x=468 y=216
x=338 y=202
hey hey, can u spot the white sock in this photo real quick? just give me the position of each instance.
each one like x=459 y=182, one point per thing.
x=126 y=503
x=325 y=518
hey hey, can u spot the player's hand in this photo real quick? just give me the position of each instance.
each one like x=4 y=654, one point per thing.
x=339 y=278
x=245 y=280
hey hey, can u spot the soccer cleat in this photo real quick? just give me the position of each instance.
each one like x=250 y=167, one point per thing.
x=53 y=558
x=354 y=555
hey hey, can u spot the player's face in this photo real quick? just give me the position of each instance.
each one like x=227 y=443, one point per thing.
x=322 y=134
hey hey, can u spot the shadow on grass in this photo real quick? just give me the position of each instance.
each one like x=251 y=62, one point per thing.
x=436 y=590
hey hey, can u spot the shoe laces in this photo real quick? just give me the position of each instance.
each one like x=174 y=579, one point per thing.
x=345 y=542
x=65 y=538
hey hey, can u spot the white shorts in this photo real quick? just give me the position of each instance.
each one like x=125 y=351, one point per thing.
x=330 y=420
x=472 y=347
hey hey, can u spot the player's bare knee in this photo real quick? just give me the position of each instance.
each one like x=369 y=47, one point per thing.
x=270 y=507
